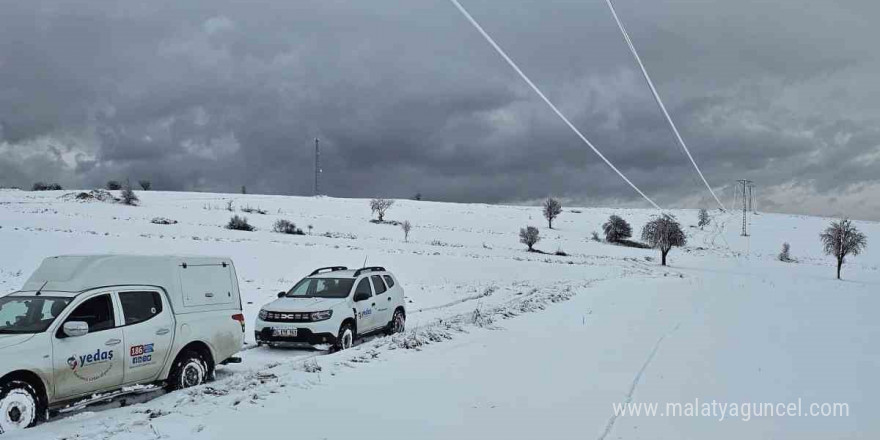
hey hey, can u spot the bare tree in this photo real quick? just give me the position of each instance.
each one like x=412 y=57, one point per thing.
x=379 y=206
x=114 y=185
x=529 y=236
x=664 y=233
x=703 y=218
x=841 y=239
x=552 y=209
x=145 y=184
x=406 y=226
x=128 y=195
x=616 y=229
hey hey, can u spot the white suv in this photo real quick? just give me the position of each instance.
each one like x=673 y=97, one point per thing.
x=334 y=305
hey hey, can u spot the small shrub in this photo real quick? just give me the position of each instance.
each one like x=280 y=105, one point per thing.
x=529 y=236
x=250 y=210
x=287 y=227
x=785 y=255
x=560 y=253
x=128 y=196
x=311 y=227
x=145 y=184
x=239 y=224
x=229 y=206
x=163 y=221
x=595 y=237
x=406 y=226
x=114 y=185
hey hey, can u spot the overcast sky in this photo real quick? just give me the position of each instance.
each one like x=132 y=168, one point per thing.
x=407 y=97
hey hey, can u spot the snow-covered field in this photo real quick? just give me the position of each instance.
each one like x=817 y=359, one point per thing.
x=502 y=343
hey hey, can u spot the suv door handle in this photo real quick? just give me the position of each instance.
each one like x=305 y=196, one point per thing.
x=113 y=342
x=163 y=331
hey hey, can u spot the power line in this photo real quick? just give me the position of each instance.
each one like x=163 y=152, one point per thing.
x=632 y=49
x=546 y=100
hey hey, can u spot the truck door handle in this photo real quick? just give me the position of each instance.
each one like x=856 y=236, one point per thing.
x=163 y=331
x=113 y=342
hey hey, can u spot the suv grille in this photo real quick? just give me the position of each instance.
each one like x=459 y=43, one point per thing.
x=287 y=317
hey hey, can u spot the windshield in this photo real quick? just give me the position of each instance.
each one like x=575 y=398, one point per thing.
x=29 y=314
x=321 y=288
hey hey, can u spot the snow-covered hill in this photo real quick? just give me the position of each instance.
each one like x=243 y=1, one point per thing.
x=502 y=343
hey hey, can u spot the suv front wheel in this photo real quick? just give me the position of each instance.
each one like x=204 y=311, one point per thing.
x=20 y=407
x=345 y=340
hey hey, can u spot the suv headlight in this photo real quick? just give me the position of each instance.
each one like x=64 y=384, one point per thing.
x=321 y=316
x=263 y=314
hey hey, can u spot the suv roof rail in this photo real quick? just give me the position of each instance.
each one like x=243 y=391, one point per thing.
x=328 y=269
x=358 y=272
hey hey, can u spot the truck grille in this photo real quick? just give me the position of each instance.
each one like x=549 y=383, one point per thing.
x=287 y=317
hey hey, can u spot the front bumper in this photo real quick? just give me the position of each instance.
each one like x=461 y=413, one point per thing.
x=303 y=336
x=313 y=333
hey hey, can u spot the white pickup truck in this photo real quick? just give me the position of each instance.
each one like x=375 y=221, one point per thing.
x=91 y=324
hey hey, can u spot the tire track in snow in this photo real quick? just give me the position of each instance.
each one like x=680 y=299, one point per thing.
x=632 y=389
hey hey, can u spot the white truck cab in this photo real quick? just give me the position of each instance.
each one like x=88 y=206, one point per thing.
x=83 y=325
x=334 y=306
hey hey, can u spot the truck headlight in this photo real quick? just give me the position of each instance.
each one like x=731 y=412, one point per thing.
x=263 y=314
x=321 y=316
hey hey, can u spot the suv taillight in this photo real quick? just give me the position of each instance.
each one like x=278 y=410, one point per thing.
x=240 y=318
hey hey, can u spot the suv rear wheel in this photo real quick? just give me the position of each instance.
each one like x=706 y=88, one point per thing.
x=20 y=406
x=398 y=323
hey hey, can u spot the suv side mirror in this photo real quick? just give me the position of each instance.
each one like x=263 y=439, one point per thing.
x=282 y=294
x=75 y=329
x=361 y=296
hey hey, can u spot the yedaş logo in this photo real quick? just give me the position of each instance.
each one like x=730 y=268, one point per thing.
x=99 y=356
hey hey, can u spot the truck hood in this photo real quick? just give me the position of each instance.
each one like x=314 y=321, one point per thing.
x=7 y=341
x=288 y=305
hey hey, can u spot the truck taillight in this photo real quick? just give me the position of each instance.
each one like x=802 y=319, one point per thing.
x=240 y=318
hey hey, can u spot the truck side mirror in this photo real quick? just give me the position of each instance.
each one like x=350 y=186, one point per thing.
x=361 y=296
x=282 y=294
x=75 y=329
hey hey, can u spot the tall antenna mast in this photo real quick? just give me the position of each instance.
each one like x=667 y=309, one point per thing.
x=746 y=187
x=317 y=167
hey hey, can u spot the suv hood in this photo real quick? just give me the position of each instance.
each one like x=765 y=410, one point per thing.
x=287 y=305
x=7 y=341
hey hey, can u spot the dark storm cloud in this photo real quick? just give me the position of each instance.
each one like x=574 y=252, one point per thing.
x=407 y=98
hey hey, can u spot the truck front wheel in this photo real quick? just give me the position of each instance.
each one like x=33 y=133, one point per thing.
x=20 y=407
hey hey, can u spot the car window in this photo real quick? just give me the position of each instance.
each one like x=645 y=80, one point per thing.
x=389 y=280
x=138 y=307
x=321 y=288
x=378 y=284
x=364 y=287
x=96 y=312
x=29 y=314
